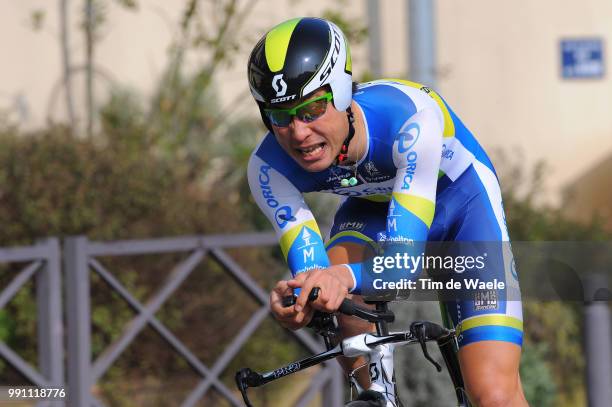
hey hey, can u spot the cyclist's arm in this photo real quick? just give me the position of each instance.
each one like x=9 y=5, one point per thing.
x=411 y=209
x=416 y=155
x=284 y=206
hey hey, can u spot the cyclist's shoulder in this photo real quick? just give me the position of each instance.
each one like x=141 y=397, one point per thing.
x=272 y=154
x=396 y=92
x=268 y=158
x=388 y=103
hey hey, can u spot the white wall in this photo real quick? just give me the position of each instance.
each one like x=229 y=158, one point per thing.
x=499 y=64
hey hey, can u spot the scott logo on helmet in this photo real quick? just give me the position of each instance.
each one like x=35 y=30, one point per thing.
x=279 y=85
x=283 y=99
x=334 y=57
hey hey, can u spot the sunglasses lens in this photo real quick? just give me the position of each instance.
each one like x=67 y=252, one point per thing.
x=307 y=112
x=279 y=118
x=312 y=111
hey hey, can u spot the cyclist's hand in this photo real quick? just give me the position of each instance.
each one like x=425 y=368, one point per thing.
x=288 y=317
x=333 y=282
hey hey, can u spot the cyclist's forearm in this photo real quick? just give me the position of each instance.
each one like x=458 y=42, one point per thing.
x=283 y=204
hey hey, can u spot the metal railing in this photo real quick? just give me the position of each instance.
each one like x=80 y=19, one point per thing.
x=41 y=264
x=81 y=260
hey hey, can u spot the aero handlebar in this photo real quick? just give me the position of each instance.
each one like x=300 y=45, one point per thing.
x=420 y=332
x=347 y=307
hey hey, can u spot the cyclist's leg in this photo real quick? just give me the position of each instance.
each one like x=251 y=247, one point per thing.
x=351 y=240
x=493 y=383
x=490 y=331
x=490 y=351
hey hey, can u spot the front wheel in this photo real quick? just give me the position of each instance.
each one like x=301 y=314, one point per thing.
x=368 y=398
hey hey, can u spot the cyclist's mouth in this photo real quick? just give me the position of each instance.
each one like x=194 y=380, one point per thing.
x=313 y=152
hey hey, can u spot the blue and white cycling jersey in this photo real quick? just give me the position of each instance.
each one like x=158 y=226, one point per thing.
x=423 y=177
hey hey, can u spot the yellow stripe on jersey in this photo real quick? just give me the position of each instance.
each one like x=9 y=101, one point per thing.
x=483 y=320
x=449 y=126
x=422 y=208
x=287 y=239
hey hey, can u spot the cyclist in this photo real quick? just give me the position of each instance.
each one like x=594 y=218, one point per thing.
x=408 y=171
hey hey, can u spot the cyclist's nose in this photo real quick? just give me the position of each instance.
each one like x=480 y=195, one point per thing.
x=299 y=130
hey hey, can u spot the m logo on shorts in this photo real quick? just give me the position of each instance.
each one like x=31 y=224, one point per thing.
x=279 y=85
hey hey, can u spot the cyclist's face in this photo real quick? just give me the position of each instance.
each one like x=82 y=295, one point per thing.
x=314 y=145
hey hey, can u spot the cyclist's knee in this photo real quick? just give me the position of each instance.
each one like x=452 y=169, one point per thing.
x=496 y=392
x=491 y=374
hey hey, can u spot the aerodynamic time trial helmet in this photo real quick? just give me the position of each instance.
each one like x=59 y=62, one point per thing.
x=298 y=57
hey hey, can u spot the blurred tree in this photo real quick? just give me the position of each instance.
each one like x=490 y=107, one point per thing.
x=55 y=184
x=166 y=168
x=211 y=30
x=536 y=376
x=66 y=60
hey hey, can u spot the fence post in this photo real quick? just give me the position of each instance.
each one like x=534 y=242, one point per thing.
x=78 y=315
x=598 y=337
x=49 y=311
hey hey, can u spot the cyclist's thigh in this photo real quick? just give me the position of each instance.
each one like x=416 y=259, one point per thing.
x=354 y=233
x=490 y=314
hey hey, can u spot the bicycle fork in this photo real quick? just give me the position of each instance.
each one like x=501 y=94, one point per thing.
x=380 y=367
x=382 y=374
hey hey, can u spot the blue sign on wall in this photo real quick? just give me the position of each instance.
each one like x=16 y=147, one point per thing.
x=582 y=58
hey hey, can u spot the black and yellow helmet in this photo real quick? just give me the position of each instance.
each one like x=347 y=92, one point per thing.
x=296 y=58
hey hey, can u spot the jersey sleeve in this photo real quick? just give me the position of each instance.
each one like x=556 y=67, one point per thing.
x=283 y=204
x=416 y=154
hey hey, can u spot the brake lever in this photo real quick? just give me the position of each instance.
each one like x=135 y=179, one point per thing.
x=418 y=329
